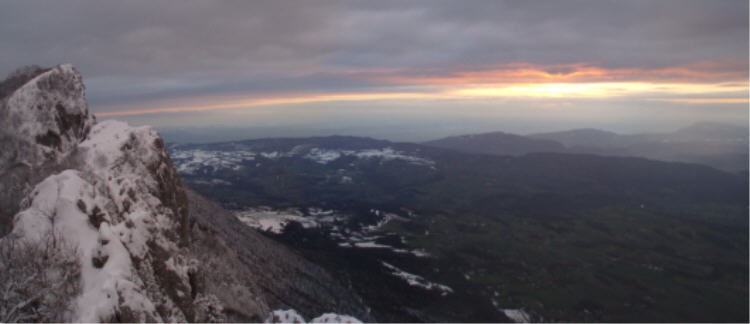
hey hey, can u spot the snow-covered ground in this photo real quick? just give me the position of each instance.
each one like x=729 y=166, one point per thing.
x=270 y=220
x=517 y=315
x=189 y=161
x=291 y=316
x=384 y=219
x=285 y=316
x=334 y=318
x=274 y=221
x=122 y=196
x=324 y=156
x=368 y=242
x=417 y=281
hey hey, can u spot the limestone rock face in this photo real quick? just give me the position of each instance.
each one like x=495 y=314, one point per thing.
x=43 y=117
x=108 y=188
x=50 y=110
x=111 y=191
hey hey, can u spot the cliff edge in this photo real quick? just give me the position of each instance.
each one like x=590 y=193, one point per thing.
x=105 y=200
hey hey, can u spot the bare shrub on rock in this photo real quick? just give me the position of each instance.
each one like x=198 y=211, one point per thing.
x=38 y=281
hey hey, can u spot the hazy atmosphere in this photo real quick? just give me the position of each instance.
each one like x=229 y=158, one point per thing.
x=404 y=71
x=546 y=161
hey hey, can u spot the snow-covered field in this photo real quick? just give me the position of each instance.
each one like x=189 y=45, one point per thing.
x=270 y=220
x=417 y=281
x=189 y=161
x=324 y=156
x=274 y=221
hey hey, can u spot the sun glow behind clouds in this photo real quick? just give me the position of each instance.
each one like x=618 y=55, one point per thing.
x=597 y=90
x=703 y=100
x=666 y=92
x=521 y=73
x=696 y=84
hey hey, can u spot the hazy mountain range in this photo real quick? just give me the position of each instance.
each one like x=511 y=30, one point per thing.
x=721 y=146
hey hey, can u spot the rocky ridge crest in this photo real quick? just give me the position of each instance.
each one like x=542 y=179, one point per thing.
x=111 y=191
x=108 y=189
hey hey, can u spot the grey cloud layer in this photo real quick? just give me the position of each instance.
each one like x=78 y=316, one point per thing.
x=156 y=48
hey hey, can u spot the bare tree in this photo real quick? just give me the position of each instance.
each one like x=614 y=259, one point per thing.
x=208 y=309
x=38 y=282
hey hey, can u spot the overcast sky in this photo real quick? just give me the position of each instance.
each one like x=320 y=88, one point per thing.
x=514 y=65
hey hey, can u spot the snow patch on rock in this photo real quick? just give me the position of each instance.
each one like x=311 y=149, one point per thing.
x=291 y=316
x=285 y=316
x=42 y=120
x=50 y=108
x=517 y=315
x=334 y=318
x=125 y=210
x=55 y=208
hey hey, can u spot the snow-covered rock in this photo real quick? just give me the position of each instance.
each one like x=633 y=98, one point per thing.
x=43 y=117
x=517 y=315
x=112 y=192
x=291 y=316
x=50 y=109
x=285 y=316
x=334 y=318
x=119 y=201
x=125 y=209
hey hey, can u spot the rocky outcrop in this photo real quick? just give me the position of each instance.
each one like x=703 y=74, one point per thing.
x=111 y=191
x=43 y=117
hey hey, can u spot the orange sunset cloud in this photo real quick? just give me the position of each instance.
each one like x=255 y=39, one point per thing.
x=557 y=73
x=719 y=82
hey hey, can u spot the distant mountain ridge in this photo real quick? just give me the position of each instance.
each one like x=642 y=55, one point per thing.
x=497 y=143
x=721 y=146
x=588 y=137
x=708 y=132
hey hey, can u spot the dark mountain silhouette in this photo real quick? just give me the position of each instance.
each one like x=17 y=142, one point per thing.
x=721 y=146
x=497 y=143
